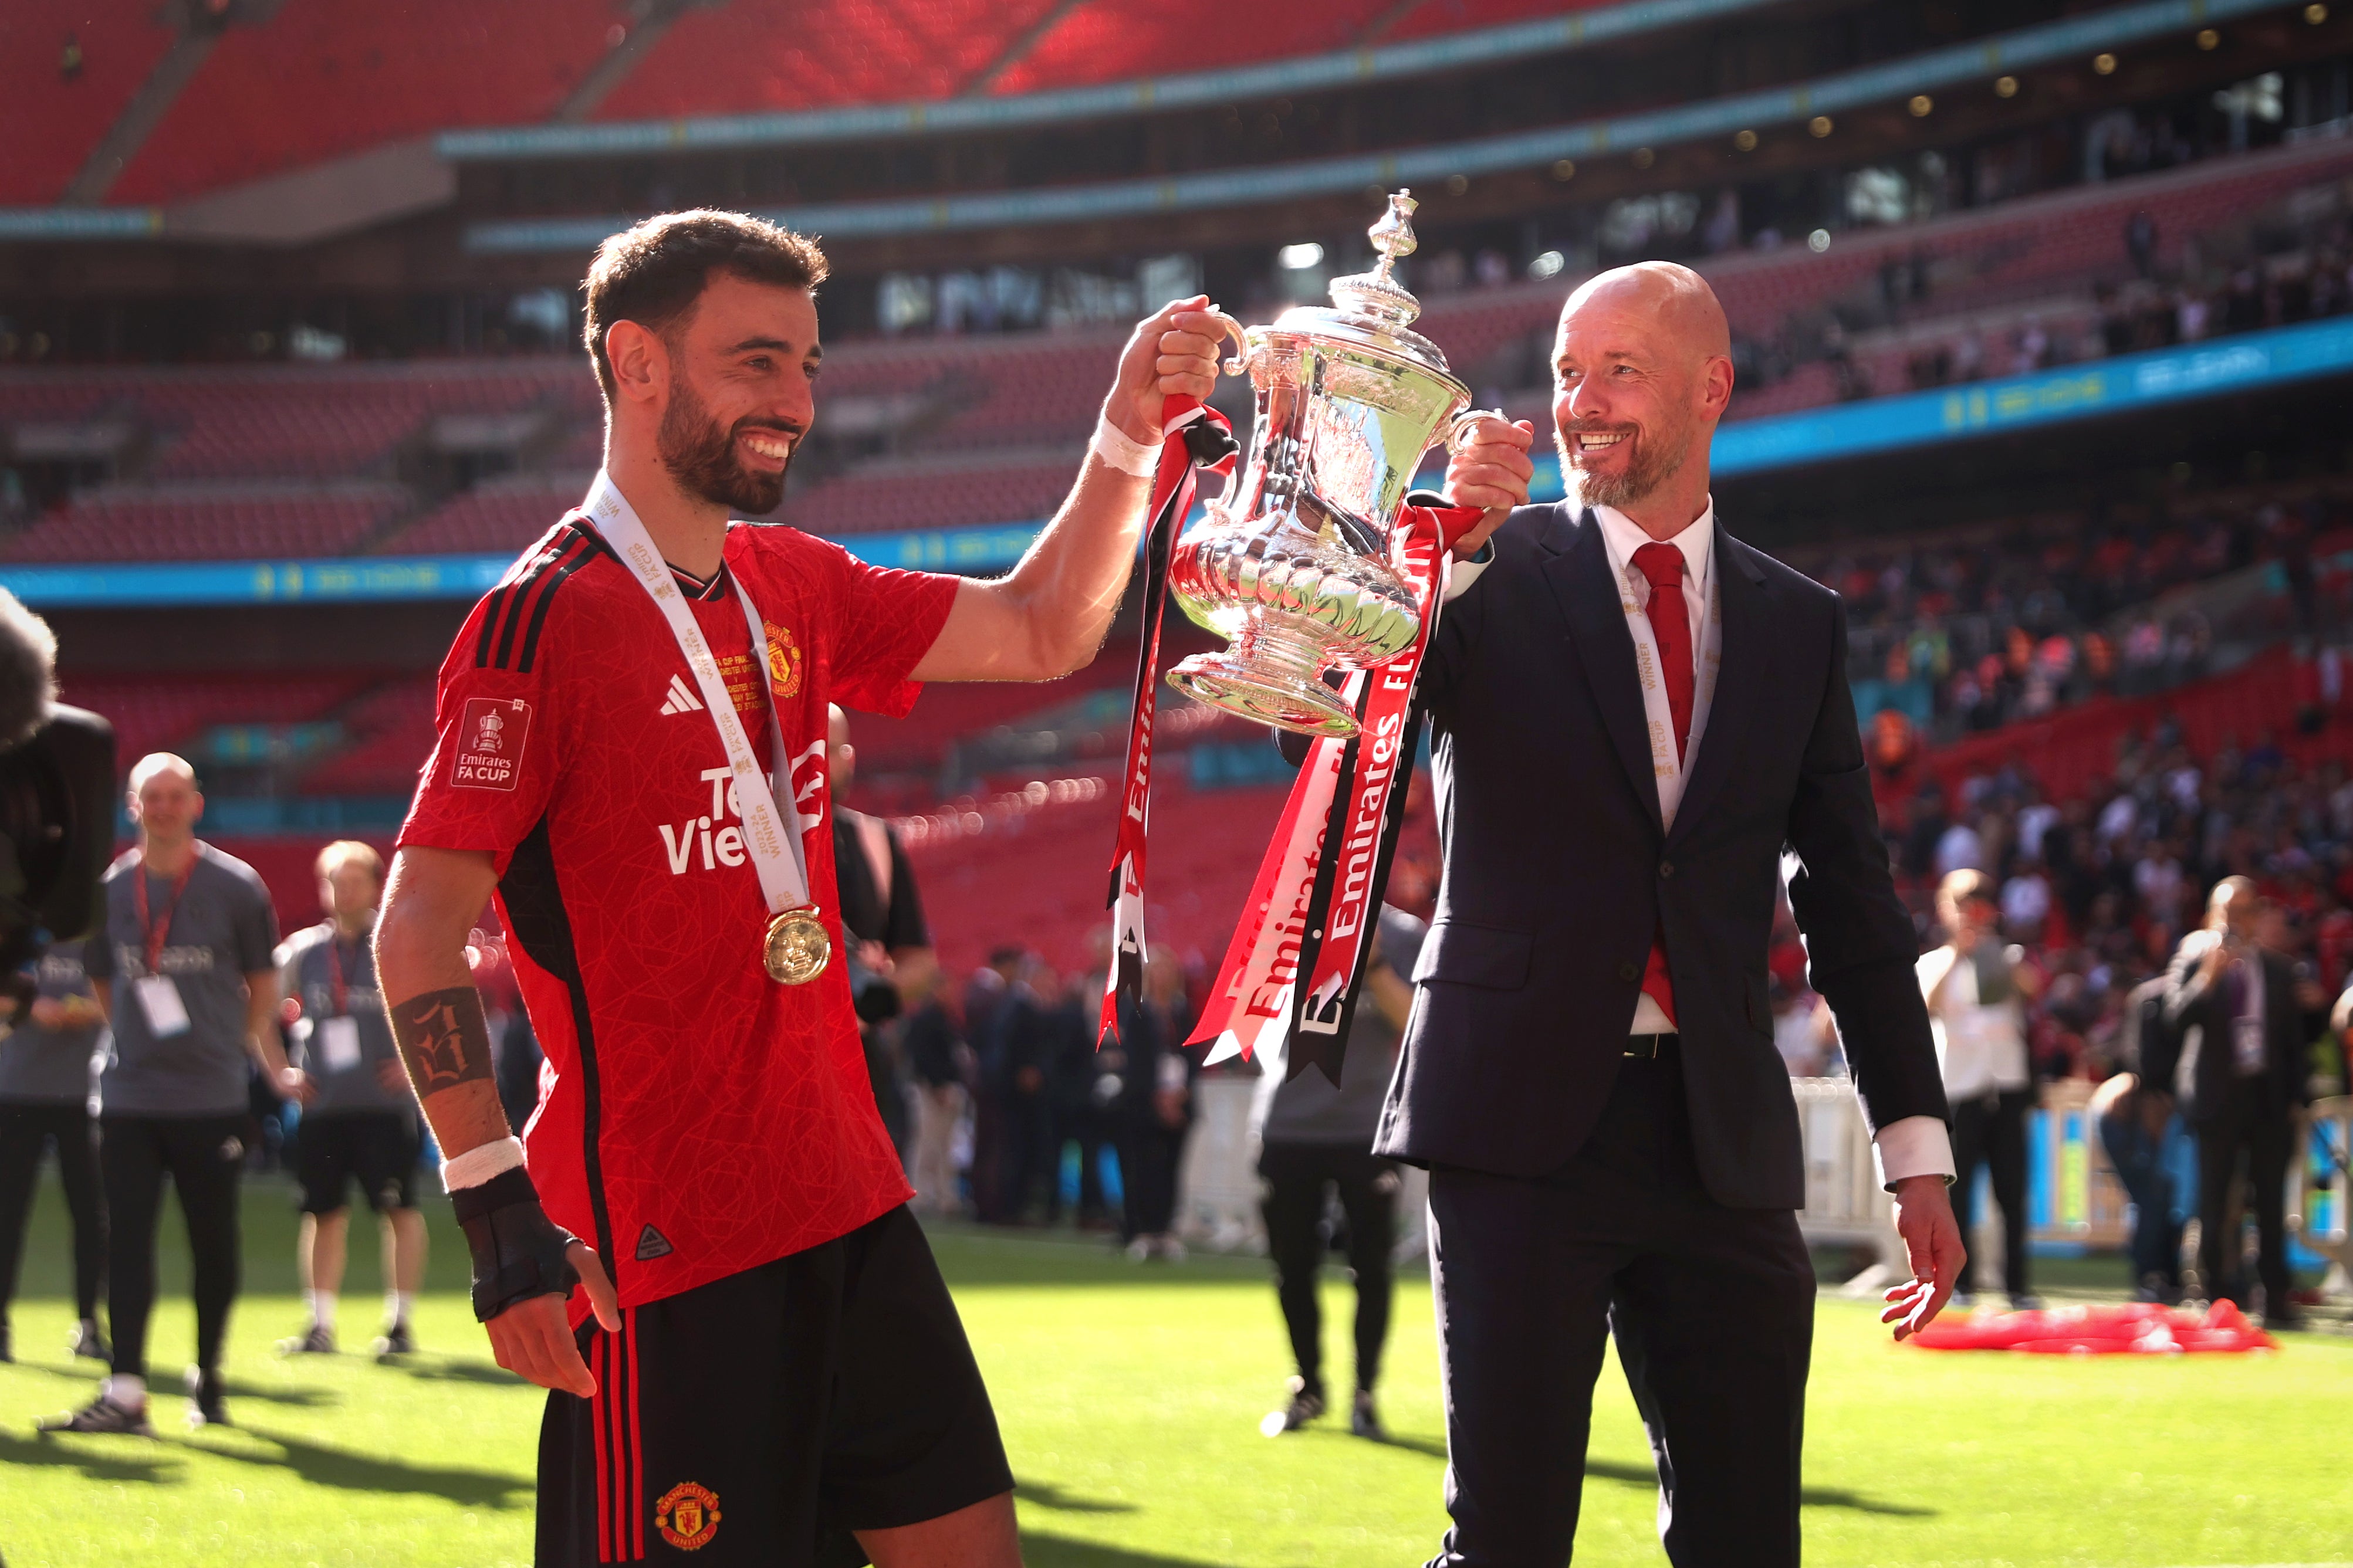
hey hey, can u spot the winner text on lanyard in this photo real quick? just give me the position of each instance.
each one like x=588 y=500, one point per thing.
x=796 y=946
x=1671 y=768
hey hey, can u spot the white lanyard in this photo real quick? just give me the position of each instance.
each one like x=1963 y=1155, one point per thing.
x=776 y=855
x=1670 y=769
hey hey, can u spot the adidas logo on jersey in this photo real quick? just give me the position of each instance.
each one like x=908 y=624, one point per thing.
x=681 y=698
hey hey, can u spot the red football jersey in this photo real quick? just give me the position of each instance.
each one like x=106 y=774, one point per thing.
x=700 y=1119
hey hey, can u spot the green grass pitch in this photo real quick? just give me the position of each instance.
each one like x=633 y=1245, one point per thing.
x=1130 y=1399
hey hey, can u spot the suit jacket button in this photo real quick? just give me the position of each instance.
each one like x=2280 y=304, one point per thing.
x=1666 y=868
x=1627 y=972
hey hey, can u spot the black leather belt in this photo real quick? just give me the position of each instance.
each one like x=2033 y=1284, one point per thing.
x=1651 y=1046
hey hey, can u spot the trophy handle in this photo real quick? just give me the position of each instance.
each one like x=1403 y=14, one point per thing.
x=1458 y=432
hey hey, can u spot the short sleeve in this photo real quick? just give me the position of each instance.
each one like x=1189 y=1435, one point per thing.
x=255 y=929
x=496 y=748
x=906 y=926
x=883 y=622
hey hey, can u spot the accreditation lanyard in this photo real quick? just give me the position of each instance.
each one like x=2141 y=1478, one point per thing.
x=1667 y=765
x=772 y=824
x=154 y=934
x=337 y=981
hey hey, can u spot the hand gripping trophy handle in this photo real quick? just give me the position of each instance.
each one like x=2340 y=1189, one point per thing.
x=1291 y=564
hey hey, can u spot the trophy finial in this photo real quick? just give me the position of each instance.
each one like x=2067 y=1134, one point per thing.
x=1393 y=236
x=1377 y=294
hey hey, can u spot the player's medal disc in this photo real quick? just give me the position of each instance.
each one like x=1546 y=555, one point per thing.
x=797 y=947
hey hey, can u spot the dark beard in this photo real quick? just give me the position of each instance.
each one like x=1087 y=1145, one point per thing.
x=1650 y=468
x=701 y=455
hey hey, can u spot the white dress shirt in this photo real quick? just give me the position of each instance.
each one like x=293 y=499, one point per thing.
x=1909 y=1146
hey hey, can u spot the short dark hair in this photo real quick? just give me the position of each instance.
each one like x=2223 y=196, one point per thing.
x=653 y=272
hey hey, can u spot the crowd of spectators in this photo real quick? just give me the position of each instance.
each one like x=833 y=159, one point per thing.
x=2098 y=891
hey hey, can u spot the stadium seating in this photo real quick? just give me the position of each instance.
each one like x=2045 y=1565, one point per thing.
x=56 y=118
x=943 y=492
x=391 y=731
x=320 y=79
x=208 y=525
x=168 y=713
x=500 y=517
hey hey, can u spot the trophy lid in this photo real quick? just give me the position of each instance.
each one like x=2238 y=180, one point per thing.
x=1373 y=308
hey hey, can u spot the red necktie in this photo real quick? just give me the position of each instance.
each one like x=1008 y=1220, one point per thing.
x=1671 y=629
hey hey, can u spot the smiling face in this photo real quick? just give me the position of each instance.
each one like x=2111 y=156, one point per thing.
x=1641 y=372
x=739 y=396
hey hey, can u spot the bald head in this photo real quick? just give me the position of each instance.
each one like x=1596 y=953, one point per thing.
x=1680 y=309
x=163 y=800
x=1642 y=365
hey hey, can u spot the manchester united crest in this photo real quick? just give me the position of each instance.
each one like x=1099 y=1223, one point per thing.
x=688 y=1516
x=784 y=659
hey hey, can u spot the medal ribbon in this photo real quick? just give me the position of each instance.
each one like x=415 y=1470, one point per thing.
x=1190 y=433
x=1319 y=888
x=774 y=843
x=155 y=935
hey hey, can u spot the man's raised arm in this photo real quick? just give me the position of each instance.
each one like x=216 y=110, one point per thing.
x=1048 y=616
x=524 y=1265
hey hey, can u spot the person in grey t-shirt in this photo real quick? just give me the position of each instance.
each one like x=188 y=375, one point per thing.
x=362 y=1126
x=181 y=967
x=1314 y=1136
x=48 y=1080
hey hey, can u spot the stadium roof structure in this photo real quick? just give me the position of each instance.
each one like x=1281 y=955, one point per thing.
x=1984 y=59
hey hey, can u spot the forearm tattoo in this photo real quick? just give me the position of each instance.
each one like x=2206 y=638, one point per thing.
x=444 y=1039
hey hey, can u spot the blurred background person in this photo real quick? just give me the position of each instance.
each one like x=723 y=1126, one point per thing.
x=1977 y=989
x=2242 y=1020
x=883 y=915
x=49 y=1065
x=1151 y=1110
x=938 y=1062
x=361 y=1128
x=184 y=971
x=1316 y=1139
x=2141 y=1129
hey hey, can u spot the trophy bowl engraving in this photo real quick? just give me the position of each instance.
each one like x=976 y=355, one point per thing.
x=1292 y=562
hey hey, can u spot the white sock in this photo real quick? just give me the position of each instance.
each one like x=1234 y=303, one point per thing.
x=322 y=1309
x=124 y=1392
x=395 y=1306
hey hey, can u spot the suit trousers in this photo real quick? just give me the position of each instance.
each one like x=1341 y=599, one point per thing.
x=2252 y=1120
x=1991 y=1132
x=1713 y=1311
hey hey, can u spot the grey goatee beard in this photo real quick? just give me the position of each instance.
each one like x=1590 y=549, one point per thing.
x=1651 y=467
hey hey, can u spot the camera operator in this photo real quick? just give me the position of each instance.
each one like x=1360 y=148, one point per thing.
x=184 y=969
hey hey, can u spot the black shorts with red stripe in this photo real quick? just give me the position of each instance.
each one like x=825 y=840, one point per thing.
x=765 y=1418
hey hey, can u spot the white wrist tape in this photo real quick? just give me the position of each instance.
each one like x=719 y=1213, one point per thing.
x=475 y=1166
x=1112 y=445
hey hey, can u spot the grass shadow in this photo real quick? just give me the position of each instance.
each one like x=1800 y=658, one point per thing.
x=1046 y=1494
x=1060 y=1552
x=295 y=1399
x=328 y=1467
x=451 y=1370
x=1811 y=1497
x=117 y=1463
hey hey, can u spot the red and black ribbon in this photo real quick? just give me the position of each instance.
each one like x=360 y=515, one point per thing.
x=1192 y=435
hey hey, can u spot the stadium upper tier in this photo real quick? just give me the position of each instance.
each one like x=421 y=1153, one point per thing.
x=945 y=432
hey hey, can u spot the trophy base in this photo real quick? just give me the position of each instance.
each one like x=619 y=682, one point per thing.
x=1280 y=696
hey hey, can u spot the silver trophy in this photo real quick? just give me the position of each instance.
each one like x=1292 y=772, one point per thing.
x=1291 y=564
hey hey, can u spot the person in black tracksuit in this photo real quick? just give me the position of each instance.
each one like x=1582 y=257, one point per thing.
x=48 y=1083
x=1149 y=1109
x=1314 y=1138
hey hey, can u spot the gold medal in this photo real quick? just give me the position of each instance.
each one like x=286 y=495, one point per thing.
x=797 y=947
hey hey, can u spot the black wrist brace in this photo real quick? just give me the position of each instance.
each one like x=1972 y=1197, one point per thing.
x=518 y=1251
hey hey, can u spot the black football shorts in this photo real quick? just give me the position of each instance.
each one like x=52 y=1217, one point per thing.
x=378 y=1149
x=764 y=1417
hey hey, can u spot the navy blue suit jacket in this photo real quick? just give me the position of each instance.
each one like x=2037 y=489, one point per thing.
x=1557 y=871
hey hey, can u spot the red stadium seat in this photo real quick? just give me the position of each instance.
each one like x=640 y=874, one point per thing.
x=55 y=117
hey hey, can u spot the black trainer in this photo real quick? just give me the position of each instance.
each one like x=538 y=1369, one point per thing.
x=316 y=1341
x=205 y=1405
x=395 y=1340
x=101 y=1415
x=87 y=1343
x=1304 y=1407
x=1364 y=1420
